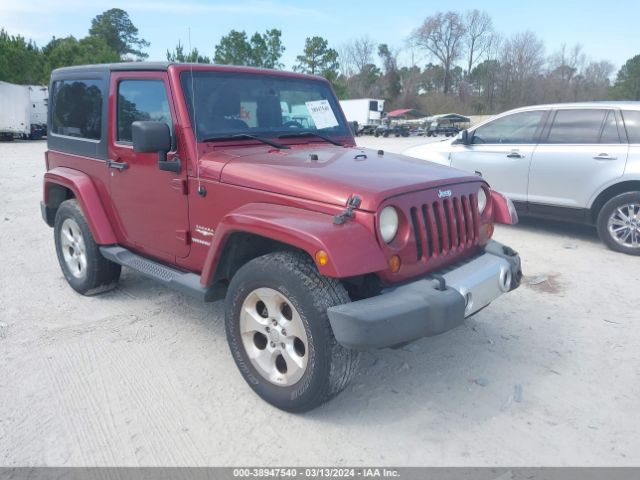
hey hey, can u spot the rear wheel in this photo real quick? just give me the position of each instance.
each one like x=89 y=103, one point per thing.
x=82 y=264
x=619 y=223
x=279 y=333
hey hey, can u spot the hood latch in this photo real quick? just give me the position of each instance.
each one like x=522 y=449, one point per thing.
x=353 y=203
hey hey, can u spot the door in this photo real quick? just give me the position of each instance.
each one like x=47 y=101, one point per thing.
x=150 y=204
x=580 y=151
x=501 y=152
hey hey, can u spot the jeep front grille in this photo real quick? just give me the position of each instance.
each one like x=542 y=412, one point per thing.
x=445 y=226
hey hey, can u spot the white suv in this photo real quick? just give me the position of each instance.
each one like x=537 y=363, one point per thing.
x=571 y=161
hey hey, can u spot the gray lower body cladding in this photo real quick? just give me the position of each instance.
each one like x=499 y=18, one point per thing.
x=424 y=308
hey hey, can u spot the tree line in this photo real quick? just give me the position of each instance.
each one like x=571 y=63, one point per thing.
x=454 y=61
x=112 y=37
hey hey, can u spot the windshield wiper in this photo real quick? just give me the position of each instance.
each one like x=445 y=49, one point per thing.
x=247 y=136
x=310 y=134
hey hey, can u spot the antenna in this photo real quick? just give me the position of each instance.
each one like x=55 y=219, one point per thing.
x=195 y=123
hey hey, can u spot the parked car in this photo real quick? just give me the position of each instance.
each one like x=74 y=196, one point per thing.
x=446 y=130
x=198 y=177
x=578 y=162
x=395 y=130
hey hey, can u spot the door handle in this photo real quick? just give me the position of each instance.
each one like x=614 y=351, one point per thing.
x=604 y=156
x=515 y=154
x=117 y=165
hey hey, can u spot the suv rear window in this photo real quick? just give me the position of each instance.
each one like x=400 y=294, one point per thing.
x=77 y=108
x=632 y=124
x=577 y=126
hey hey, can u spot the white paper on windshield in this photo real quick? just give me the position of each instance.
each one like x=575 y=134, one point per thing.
x=322 y=114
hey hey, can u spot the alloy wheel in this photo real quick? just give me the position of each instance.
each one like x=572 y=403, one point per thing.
x=73 y=248
x=274 y=336
x=624 y=225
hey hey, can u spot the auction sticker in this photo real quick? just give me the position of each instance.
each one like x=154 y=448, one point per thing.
x=322 y=114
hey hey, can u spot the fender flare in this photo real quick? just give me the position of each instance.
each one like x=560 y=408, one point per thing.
x=630 y=178
x=85 y=192
x=352 y=249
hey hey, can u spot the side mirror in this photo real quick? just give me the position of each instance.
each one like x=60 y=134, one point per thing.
x=151 y=137
x=464 y=137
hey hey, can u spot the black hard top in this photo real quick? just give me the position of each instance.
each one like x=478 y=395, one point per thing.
x=103 y=70
x=108 y=67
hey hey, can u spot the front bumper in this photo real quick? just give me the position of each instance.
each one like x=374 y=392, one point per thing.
x=427 y=307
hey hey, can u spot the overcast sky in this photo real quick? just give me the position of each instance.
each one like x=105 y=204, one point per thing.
x=606 y=30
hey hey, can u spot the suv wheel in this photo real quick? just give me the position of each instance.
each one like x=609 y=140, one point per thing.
x=619 y=223
x=82 y=264
x=279 y=333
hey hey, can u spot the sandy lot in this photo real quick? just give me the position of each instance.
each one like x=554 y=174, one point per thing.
x=548 y=375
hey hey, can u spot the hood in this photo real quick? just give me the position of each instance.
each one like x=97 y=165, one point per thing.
x=437 y=152
x=338 y=173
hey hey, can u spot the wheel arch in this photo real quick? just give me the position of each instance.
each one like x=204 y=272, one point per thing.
x=241 y=247
x=62 y=184
x=54 y=195
x=265 y=228
x=610 y=192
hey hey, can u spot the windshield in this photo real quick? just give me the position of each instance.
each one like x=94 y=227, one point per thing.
x=228 y=104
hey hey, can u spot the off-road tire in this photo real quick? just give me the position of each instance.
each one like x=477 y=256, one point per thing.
x=101 y=274
x=330 y=366
x=605 y=214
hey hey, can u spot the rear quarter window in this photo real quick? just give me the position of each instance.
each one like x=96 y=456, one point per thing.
x=632 y=124
x=77 y=108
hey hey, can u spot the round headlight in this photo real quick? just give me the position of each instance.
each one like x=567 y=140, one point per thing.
x=482 y=200
x=388 y=223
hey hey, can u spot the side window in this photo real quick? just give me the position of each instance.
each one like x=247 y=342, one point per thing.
x=141 y=100
x=516 y=128
x=610 y=129
x=632 y=124
x=577 y=126
x=77 y=108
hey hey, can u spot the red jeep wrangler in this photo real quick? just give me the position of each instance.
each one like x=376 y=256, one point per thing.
x=246 y=184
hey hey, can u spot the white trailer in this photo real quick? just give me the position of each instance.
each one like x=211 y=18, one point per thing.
x=15 y=117
x=366 y=111
x=38 y=104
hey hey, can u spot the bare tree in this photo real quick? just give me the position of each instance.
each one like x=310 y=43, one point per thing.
x=478 y=36
x=358 y=53
x=363 y=50
x=599 y=72
x=347 y=67
x=565 y=64
x=442 y=35
x=521 y=64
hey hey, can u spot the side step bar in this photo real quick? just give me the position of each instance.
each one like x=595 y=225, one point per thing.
x=188 y=283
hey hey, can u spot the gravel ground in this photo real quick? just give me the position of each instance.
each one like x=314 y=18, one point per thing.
x=547 y=375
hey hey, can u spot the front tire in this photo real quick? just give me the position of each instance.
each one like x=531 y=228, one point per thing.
x=82 y=264
x=619 y=223
x=279 y=333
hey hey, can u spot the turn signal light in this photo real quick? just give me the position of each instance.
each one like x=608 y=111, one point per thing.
x=394 y=263
x=322 y=258
x=488 y=230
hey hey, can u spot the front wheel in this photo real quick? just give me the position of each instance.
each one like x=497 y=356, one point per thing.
x=279 y=333
x=619 y=223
